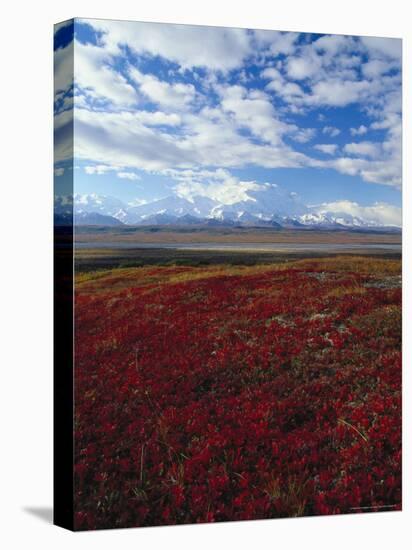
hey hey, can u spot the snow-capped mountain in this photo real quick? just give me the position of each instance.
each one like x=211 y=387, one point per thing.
x=108 y=206
x=268 y=206
x=94 y=218
x=171 y=206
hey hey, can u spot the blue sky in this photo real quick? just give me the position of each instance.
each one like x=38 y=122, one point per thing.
x=173 y=109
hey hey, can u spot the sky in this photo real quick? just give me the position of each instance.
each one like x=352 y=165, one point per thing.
x=163 y=109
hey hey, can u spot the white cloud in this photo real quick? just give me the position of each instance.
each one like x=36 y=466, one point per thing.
x=271 y=73
x=359 y=131
x=303 y=135
x=99 y=169
x=252 y=109
x=299 y=68
x=188 y=46
x=63 y=136
x=174 y=95
x=218 y=185
x=120 y=139
x=210 y=137
x=276 y=42
x=326 y=59
x=338 y=92
x=245 y=126
x=383 y=47
x=128 y=176
x=331 y=131
x=330 y=68
x=97 y=77
x=285 y=89
x=363 y=149
x=375 y=68
x=348 y=165
x=386 y=172
x=386 y=165
x=378 y=213
x=158 y=118
x=58 y=171
x=328 y=149
x=255 y=113
x=278 y=84
x=102 y=169
x=331 y=45
x=63 y=68
x=137 y=202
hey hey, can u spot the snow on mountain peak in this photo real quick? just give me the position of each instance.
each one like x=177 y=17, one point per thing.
x=261 y=204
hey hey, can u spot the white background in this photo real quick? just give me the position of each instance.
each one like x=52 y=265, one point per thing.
x=26 y=273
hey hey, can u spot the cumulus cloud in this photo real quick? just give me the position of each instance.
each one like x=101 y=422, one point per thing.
x=210 y=137
x=137 y=202
x=286 y=90
x=218 y=185
x=338 y=93
x=132 y=119
x=58 y=171
x=120 y=138
x=303 y=135
x=373 y=171
x=379 y=162
x=158 y=118
x=275 y=42
x=336 y=73
x=63 y=136
x=363 y=149
x=63 y=68
x=331 y=131
x=169 y=95
x=328 y=149
x=378 y=213
x=102 y=169
x=331 y=45
x=299 y=68
x=97 y=77
x=359 y=131
x=128 y=176
x=188 y=46
x=99 y=169
x=384 y=47
x=254 y=112
x=375 y=68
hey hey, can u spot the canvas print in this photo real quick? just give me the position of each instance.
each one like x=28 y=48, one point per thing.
x=227 y=274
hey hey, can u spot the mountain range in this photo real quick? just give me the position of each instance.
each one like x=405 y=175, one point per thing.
x=271 y=208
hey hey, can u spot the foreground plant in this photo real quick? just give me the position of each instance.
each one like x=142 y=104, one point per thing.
x=237 y=393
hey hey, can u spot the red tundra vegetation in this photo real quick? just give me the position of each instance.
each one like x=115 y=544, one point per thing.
x=232 y=393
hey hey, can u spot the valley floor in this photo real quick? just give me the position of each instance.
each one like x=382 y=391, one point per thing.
x=227 y=235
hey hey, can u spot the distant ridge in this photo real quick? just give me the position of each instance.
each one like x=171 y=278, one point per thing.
x=270 y=208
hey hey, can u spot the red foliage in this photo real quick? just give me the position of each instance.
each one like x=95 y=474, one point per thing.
x=236 y=397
